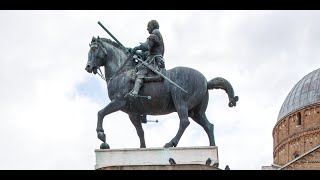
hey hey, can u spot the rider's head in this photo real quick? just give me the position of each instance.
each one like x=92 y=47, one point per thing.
x=153 y=24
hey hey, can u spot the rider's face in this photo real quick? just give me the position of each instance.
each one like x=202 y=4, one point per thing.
x=149 y=28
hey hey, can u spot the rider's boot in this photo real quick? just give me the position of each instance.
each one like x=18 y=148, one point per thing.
x=137 y=85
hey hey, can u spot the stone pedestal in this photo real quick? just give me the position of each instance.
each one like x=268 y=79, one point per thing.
x=181 y=158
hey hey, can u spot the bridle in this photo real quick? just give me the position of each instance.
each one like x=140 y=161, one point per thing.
x=98 y=45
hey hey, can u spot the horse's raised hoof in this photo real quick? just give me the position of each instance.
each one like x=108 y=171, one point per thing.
x=102 y=136
x=104 y=146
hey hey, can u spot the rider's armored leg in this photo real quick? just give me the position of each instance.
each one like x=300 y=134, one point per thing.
x=138 y=82
x=137 y=85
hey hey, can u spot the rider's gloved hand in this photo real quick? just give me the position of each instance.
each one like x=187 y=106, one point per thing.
x=135 y=49
x=129 y=50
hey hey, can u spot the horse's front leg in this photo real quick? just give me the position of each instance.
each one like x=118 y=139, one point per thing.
x=113 y=106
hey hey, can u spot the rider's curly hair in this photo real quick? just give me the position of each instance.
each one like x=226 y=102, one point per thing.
x=154 y=24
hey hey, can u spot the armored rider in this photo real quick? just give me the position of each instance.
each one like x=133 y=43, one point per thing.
x=153 y=49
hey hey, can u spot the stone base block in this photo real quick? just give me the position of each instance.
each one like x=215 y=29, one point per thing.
x=180 y=158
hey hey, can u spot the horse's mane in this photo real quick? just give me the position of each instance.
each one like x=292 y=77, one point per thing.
x=109 y=41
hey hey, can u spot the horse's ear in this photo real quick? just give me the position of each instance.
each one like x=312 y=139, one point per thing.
x=98 y=40
x=93 y=39
x=89 y=44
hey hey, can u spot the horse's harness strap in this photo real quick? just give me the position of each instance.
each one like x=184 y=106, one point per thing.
x=101 y=75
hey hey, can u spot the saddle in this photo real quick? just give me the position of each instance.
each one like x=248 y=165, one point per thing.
x=152 y=77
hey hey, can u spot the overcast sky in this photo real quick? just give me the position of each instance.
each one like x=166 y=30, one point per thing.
x=49 y=103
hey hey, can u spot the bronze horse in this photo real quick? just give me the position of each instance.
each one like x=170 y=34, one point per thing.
x=165 y=97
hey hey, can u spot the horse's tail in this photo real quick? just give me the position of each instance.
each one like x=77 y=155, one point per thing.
x=221 y=83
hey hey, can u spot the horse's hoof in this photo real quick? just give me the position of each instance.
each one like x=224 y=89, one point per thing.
x=104 y=146
x=102 y=136
x=167 y=145
x=236 y=98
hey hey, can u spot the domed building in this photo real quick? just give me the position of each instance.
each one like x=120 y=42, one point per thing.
x=296 y=135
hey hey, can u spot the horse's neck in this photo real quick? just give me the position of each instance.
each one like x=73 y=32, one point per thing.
x=115 y=59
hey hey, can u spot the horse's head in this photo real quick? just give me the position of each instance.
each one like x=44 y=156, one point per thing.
x=97 y=55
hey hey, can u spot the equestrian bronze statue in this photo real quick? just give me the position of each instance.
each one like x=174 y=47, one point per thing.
x=181 y=89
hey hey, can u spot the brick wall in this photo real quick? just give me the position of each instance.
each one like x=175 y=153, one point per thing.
x=308 y=162
x=295 y=134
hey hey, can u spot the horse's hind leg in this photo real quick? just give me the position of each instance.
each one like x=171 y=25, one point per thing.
x=202 y=120
x=135 y=119
x=199 y=116
x=182 y=111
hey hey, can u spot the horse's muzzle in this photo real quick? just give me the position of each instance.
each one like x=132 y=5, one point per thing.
x=91 y=69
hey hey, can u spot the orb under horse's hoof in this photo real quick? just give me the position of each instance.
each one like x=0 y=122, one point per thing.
x=104 y=146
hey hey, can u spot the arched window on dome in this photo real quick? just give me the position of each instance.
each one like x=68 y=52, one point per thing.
x=299 y=119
